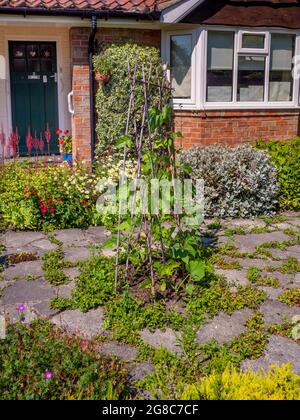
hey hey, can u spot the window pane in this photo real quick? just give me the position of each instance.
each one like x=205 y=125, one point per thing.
x=33 y=66
x=281 y=81
x=181 y=59
x=19 y=65
x=253 y=41
x=220 y=66
x=251 y=79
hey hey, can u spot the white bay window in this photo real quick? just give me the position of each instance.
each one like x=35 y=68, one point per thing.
x=223 y=68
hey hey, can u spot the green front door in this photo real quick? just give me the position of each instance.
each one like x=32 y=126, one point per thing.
x=33 y=73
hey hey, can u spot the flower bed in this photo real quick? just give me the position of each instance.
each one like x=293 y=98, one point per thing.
x=47 y=196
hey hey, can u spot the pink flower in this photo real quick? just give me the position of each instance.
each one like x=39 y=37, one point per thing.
x=48 y=375
x=52 y=210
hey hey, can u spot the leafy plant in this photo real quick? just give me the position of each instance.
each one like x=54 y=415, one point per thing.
x=112 y=98
x=285 y=156
x=47 y=197
x=53 y=267
x=219 y=298
x=232 y=384
x=291 y=297
x=239 y=182
x=39 y=363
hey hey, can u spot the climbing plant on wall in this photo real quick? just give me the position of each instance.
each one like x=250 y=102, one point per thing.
x=113 y=93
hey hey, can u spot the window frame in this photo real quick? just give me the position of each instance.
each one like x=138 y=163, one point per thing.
x=199 y=68
x=166 y=55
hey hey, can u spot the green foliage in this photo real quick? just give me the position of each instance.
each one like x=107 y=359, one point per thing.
x=53 y=265
x=239 y=182
x=113 y=98
x=219 y=298
x=47 y=197
x=290 y=266
x=285 y=156
x=232 y=384
x=27 y=353
x=94 y=287
x=126 y=316
x=291 y=297
x=255 y=276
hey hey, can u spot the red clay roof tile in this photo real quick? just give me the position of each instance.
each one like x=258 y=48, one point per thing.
x=139 y=6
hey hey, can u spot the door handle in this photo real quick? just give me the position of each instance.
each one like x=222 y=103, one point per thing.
x=70 y=96
x=54 y=77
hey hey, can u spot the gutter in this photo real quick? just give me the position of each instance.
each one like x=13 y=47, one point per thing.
x=83 y=14
x=91 y=51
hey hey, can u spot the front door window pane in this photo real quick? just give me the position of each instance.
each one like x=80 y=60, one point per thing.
x=181 y=65
x=251 y=79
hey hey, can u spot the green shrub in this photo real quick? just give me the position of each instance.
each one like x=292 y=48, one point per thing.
x=278 y=384
x=113 y=98
x=47 y=197
x=285 y=155
x=238 y=182
x=28 y=353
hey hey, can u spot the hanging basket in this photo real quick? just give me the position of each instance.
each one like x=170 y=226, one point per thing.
x=102 y=78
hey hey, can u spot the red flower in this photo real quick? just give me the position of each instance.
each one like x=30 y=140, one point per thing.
x=59 y=200
x=60 y=141
x=66 y=132
x=58 y=131
x=52 y=210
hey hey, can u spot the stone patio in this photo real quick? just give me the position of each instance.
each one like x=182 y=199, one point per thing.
x=24 y=283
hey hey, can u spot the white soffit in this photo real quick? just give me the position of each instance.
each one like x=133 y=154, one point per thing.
x=178 y=11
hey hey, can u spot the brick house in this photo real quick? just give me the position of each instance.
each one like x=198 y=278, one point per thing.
x=232 y=64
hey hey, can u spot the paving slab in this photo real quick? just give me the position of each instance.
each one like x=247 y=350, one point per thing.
x=43 y=310
x=97 y=234
x=138 y=371
x=224 y=328
x=271 y=292
x=87 y=325
x=72 y=236
x=65 y=290
x=122 y=351
x=291 y=251
x=254 y=262
x=234 y=277
x=19 y=239
x=285 y=280
x=24 y=291
x=168 y=339
x=72 y=273
x=24 y=270
x=249 y=242
x=243 y=223
x=44 y=245
x=276 y=312
x=280 y=351
x=76 y=254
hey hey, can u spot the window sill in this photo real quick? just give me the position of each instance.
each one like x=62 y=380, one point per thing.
x=236 y=106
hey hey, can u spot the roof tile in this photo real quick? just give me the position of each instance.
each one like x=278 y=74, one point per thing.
x=113 y=5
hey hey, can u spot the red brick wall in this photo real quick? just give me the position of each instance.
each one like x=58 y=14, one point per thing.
x=80 y=77
x=234 y=127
